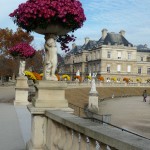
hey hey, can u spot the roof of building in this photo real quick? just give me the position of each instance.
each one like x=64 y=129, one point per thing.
x=90 y=45
x=143 y=48
x=111 y=38
x=76 y=49
x=114 y=39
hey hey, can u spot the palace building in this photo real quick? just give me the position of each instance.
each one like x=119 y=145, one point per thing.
x=111 y=56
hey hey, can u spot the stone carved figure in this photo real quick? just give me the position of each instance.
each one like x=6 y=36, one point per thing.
x=90 y=74
x=22 y=67
x=50 y=58
x=78 y=73
x=93 y=85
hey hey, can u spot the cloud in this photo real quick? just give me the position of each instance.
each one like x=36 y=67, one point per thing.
x=132 y=16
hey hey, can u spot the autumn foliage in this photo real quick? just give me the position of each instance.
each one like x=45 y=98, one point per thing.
x=8 y=39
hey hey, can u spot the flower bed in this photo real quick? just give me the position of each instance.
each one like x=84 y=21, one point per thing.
x=78 y=77
x=101 y=78
x=126 y=80
x=139 y=80
x=89 y=77
x=66 y=77
x=30 y=75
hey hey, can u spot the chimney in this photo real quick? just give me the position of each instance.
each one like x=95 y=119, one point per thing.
x=73 y=45
x=122 y=32
x=86 y=40
x=104 y=33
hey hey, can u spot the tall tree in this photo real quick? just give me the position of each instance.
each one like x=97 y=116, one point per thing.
x=35 y=63
x=8 y=39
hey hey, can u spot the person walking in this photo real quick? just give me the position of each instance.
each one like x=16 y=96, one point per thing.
x=144 y=95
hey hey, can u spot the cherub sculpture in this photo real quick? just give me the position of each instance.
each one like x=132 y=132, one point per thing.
x=50 y=58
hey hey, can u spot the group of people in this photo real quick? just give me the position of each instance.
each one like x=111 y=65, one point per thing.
x=145 y=95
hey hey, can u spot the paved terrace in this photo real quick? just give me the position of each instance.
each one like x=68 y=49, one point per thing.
x=14 y=122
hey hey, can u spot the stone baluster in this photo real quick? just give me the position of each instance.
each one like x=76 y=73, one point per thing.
x=110 y=148
x=62 y=140
x=38 y=136
x=98 y=147
x=69 y=139
x=82 y=142
x=51 y=133
x=92 y=144
x=87 y=143
x=57 y=136
x=75 y=143
x=106 y=147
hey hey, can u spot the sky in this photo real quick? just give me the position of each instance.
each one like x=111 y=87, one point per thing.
x=132 y=16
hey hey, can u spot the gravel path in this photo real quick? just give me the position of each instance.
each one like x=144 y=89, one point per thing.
x=130 y=113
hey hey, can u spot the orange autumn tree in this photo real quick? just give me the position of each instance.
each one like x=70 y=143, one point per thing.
x=9 y=38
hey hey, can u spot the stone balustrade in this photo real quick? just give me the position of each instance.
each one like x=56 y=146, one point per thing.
x=65 y=131
x=106 y=84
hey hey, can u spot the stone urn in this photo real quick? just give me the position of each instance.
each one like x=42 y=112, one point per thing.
x=52 y=29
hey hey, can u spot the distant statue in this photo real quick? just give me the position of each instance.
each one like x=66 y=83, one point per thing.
x=93 y=85
x=90 y=74
x=22 y=67
x=78 y=73
x=50 y=58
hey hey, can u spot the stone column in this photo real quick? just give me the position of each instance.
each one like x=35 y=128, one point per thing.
x=50 y=95
x=21 y=91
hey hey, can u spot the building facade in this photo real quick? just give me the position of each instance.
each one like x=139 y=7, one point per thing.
x=112 y=56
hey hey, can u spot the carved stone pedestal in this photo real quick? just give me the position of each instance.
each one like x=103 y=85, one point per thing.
x=21 y=91
x=50 y=95
x=93 y=102
x=93 y=97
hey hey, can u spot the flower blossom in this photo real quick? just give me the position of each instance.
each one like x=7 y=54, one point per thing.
x=40 y=13
x=23 y=50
